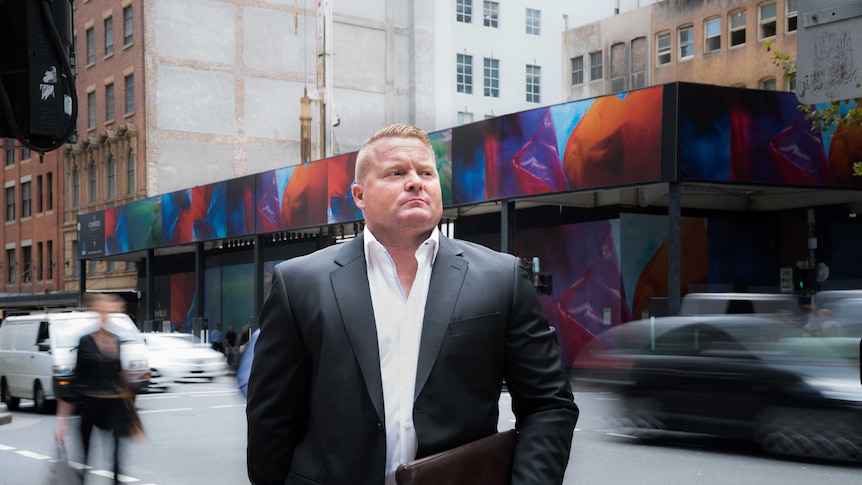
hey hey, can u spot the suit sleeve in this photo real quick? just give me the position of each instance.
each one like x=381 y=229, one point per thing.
x=542 y=399
x=277 y=407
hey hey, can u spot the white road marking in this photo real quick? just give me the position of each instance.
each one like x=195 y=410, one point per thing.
x=229 y=406
x=6 y=448
x=30 y=454
x=147 y=398
x=164 y=410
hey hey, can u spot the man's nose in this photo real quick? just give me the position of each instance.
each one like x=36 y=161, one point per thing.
x=414 y=182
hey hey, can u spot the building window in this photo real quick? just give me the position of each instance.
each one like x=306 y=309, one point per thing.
x=737 y=28
x=91 y=110
x=577 y=70
x=112 y=177
x=50 y=265
x=464 y=117
x=109 y=102
x=712 y=29
x=768 y=84
x=10 y=266
x=464 y=11
x=39 y=260
x=492 y=78
x=464 y=76
x=618 y=67
x=130 y=94
x=91 y=46
x=639 y=63
x=596 y=66
x=491 y=15
x=28 y=263
x=26 y=200
x=10 y=203
x=76 y=187
x=49 y=191
x=109 y=36
x=130 y=172
x=534 y=22
x=25 y=154
x=10 y=152
x=39 y=193
x=791 y=15
x=767 y=21
x=93 y=179
x=534 y=84
x=791 y=85
x=128 y=30
x=686 y=42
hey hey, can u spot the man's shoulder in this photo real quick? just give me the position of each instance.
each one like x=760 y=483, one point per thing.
x=478 y=252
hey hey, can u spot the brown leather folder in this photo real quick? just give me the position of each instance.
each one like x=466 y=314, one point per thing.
x=486 y=461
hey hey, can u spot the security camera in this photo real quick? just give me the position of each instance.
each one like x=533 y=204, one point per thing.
x=336 y=121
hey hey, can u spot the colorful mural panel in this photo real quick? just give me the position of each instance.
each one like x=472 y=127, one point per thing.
x=441 y=141
x=738 y=135
x=145 y=224
x=117 y=230
x=341 y=206
x=240 y=206
x=196 y=214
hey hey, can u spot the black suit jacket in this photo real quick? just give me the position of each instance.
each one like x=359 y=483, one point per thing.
x=315 y=397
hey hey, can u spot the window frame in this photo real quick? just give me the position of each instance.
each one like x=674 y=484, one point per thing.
x=664 y=51
x=130 y=172
x=91 y=46
x=91 y=110
x=26 y=199
x=464 y=73
x=533 y=83
x=685 y=45
x=707 y=37
x=76 y=187
x=10 y=203
x=731 y=30
x=464 y=117
x=762 y=24
x=111 y=168
x=491 y=77
x=491 y=14
x=593 y=66
x=128 y=26
x=93 y=181
x=533 y=21
x=11 y=257
x=464 y=11
x=108 y=24
x=109 y=103
x=575 y=72
x=791 y=16
x=768 y=84
x=129 y=86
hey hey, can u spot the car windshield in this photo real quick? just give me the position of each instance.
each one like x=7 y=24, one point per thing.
x=67 y=332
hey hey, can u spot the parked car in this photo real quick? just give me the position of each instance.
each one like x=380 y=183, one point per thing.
x=737 y=376
x=38 y=354
x=741 y=303
x=176 y=356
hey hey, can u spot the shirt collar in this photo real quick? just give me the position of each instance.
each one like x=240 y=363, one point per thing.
x=433 y=241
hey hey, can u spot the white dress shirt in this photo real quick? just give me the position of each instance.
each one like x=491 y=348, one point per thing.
x=399 y=330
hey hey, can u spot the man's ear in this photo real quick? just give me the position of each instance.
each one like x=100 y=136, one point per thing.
x=358 y=196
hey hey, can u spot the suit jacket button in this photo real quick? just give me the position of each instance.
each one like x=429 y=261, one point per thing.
x=380 y=426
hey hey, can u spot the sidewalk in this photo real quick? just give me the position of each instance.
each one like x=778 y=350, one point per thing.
x=5 y=418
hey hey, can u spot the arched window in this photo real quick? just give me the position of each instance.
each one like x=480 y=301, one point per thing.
x=93 y=185
x=130 y=173
x=76 y=187
x=112 y=177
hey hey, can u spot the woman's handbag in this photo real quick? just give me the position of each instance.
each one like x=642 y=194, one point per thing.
x=134 y=428
x=60 y=472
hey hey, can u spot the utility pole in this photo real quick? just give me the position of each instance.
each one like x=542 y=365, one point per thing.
x=324 y=75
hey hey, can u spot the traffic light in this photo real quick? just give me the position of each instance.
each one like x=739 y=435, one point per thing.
x=38 y=104
x=801 y=280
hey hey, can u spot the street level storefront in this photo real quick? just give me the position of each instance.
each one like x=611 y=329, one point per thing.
x=626 y=200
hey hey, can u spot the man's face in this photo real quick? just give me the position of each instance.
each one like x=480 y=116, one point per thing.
x=400 y=196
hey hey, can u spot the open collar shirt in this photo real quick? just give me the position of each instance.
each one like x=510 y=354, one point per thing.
x=399 y=331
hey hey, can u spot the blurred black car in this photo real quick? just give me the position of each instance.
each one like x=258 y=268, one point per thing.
x=739 y=376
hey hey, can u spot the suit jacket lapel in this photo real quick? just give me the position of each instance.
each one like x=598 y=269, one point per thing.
x=447 y=276
x=353 y=296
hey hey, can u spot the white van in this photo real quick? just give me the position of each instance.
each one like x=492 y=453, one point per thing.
x=38 y=354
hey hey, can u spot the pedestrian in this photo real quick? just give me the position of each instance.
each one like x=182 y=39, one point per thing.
x=99 y=386
x=230 y=345
x=216 y=339
x=246 y=356
x=394 y=345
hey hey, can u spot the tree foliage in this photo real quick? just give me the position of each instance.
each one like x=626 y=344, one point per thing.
x=843 y=114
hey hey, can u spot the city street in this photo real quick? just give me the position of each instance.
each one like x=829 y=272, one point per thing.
x=196 y=435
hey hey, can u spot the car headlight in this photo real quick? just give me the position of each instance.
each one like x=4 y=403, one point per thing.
x=63 y=370
x=840 y=389
x=138 y=364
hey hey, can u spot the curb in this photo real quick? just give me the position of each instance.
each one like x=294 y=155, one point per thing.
x=5 y=418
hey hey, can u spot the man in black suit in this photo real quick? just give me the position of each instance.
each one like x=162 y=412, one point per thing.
x=395 y=345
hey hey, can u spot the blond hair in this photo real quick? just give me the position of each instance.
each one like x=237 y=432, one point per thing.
x=91 y=299
x=398 y=130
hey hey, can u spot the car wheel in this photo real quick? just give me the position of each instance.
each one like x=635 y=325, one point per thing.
x=810 y=433
x=641 y=415
x=11 y=402
x=43 y=406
